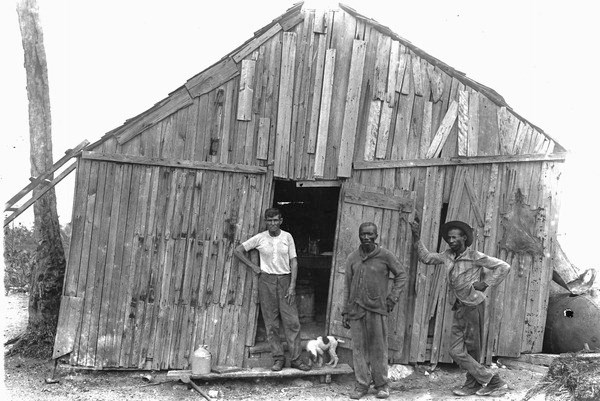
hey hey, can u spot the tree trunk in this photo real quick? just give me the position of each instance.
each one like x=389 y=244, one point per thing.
x=49 y=269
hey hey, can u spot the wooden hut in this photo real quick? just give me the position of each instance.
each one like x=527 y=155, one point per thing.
x=337 y=120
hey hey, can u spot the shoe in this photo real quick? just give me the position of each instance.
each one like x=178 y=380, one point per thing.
x=278 y=365
x=383 y=392
x=466 y=390
x=495 y=385
x=300 y=365
x=358 y=393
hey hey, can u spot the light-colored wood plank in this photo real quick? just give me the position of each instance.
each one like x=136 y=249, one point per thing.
x=380 y=73
x=442 y=133
x=463 y=123
x=394 y=65
x=372 y=129
x=455 y=161
x=328 y=79
x=317 y=94
x=416 y=73
x=385 y=122
x=256 y=43
x=212 y=77
x=507 y=125
x=284 y=109
x=349 y=128
x=262 y=148
x=473 y=123
x=176 y=101
x=246 y=90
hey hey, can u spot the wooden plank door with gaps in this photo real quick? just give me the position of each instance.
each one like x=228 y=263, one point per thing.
x=464 y=204
x=390 y=210
x=151 y=274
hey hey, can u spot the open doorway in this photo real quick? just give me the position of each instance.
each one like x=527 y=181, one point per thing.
x=310 y=215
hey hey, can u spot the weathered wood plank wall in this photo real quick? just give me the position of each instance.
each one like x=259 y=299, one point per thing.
x=315 y=95
x=156 y=273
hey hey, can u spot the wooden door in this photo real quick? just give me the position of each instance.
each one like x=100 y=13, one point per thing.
x=390 y=210
x=150 y=274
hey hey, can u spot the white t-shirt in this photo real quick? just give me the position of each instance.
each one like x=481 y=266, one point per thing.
x=275 y=252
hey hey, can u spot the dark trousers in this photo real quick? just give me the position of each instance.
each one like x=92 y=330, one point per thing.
x=465 y=342
x=370 y=349
x=272 y=289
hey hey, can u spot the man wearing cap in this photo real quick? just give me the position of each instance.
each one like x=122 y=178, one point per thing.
x=465 y=269
x=367 y=304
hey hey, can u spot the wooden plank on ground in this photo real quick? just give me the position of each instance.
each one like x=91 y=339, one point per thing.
x=340 y=369
x=323 y=131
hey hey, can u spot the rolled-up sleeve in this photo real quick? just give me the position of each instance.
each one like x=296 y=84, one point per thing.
x=429 y=258
x=499 y=268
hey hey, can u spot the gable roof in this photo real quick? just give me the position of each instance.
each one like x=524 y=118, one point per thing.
x=226 y=68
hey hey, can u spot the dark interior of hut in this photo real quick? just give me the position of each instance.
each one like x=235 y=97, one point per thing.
x=310 y=215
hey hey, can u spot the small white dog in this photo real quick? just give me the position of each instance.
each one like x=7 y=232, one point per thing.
x=316 y=349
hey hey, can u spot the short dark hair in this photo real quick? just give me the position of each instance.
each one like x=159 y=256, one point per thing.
x=368 y=224
x=272 y=212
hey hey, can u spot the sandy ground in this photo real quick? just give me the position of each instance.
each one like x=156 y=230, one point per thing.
x=25 y=379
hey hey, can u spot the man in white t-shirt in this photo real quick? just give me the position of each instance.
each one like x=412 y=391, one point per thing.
x=276 y=287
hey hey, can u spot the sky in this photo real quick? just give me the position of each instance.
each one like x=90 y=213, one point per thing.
x=113 y=59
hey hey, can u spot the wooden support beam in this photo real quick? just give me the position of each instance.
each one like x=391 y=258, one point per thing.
x=456 y=161
x=318 y=184
x=37 y=196
x=43 y=178
x=189 y=164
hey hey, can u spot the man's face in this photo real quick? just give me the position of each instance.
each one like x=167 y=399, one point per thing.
x=456 y=240
x=273 y=223
x=367 y=235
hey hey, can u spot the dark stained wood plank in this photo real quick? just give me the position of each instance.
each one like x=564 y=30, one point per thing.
x=78 y=222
